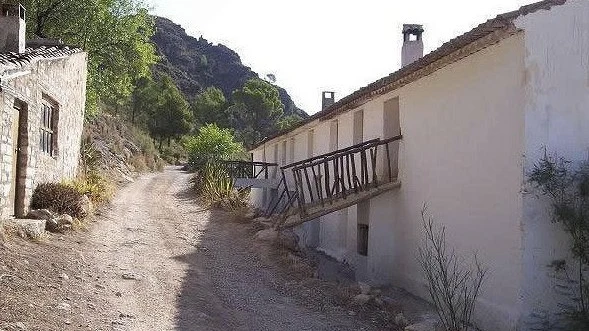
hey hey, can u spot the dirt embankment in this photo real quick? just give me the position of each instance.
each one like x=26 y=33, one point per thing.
x=117 y=149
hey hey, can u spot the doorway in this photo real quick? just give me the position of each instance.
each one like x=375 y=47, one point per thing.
x=19 y=159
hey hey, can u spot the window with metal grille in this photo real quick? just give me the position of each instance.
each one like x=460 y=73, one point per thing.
x=48 y=139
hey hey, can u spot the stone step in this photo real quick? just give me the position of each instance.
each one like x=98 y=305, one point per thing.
x=28 y=228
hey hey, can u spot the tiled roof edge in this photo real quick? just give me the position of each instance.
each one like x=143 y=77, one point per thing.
x=501 y=25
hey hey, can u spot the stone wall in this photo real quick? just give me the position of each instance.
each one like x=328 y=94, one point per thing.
x=63 y=81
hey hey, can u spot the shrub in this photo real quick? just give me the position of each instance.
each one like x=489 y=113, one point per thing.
x=138 y=162
x=567 y=186
x=94 y=185
x=210 y=144
x=174 y=154
x=453 y=284
x=58 y=198
x=215 y=187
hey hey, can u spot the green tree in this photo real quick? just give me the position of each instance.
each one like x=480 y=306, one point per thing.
x=212 y=144
x=288 y=122
x=144 y=101
x=169 y=114
x=115 y=33
x=256 y=110
x=210 y=107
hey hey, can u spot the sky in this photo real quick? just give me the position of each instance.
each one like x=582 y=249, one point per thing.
x=326 y=45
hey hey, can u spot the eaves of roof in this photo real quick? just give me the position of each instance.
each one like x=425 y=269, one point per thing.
x=482 y=36
x=13 y=62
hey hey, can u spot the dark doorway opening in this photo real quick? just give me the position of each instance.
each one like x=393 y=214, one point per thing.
x=20 y=160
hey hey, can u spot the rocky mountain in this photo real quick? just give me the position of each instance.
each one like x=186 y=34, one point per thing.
x=196 y=64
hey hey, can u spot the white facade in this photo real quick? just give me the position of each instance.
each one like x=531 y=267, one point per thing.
x=471 y=131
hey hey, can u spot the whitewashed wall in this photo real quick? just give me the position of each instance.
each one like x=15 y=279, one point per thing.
x=557 y=118
x=471 y=131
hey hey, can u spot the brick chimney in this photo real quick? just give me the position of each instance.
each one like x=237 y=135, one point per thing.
x=328 y=99
x=412 y=43
x=12 y=28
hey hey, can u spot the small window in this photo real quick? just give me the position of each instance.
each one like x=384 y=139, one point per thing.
x=363 y=239
x=48 y=139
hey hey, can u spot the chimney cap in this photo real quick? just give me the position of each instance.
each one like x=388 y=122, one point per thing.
x=328 y=99
x=13 y=9
x=412 y=28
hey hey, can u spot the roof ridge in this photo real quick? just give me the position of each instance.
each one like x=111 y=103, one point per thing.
x=499 y=23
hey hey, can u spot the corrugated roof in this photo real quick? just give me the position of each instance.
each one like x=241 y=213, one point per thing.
x=10 y=61
x=489 y=33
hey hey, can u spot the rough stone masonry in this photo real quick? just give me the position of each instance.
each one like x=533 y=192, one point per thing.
x=54 y=77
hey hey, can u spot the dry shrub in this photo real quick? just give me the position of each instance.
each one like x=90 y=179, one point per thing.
x=58 y=198
x=138 y=162
x=453 y=283
x=97 y=187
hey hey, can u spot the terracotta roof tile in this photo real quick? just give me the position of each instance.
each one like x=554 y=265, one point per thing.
x=501 y=23
x=13 y=61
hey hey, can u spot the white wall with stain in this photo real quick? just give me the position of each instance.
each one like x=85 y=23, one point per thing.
x=471 y=132
x=557 y=120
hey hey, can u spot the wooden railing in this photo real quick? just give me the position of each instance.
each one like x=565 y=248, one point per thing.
x=247 y=169
x=324 y=179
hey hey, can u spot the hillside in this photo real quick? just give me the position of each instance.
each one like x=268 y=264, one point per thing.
x=196 y=64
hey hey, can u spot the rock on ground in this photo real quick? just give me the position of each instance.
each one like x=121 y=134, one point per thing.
x=287 y=239
x=268 y=235
x=361 y=299
x=40 y=214
x=85 y=205
x=27 y=228
x=364 y=288
x=428 y=325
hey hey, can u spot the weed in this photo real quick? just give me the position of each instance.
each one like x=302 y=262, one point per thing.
x=452 y=283
x=568 y=189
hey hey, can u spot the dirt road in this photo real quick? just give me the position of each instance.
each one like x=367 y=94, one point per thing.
x=173 y=266
x=155 y=260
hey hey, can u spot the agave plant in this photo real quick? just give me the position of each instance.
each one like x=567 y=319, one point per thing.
x=215 y=186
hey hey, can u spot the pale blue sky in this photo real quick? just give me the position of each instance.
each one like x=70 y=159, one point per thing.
x=316 y=45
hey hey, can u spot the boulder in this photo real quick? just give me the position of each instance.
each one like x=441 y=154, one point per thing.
x=401 y=320
x=59 y=224
x=364 y=288
x=428 y=325
x=86 y=205
x=51 y=225
x=268 y=235
x=40 y=214
x=361 y=299
x=65 y=220
x=28 y=228
x=289 y=240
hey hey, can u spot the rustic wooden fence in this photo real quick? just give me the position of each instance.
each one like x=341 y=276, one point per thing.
x=248 y=169
x=327 y=178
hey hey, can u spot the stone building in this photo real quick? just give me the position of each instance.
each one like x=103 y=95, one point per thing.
x=459 y=129
x=42 y=102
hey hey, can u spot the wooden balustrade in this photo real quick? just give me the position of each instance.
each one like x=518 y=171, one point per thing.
x=323 y=180
x=248 y=169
